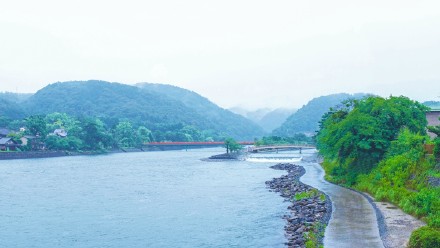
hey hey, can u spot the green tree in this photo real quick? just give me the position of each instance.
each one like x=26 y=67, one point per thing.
x=61 y=120
x=143 y=135
x=357 y=135
x=36 y=125
x=95 y=135
x=125 y=135
x=231 y=145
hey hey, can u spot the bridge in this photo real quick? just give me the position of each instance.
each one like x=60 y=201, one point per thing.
x=276 y=148
x=188 y=145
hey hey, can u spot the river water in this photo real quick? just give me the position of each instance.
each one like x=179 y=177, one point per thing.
x=151 y=199
x=161 y=199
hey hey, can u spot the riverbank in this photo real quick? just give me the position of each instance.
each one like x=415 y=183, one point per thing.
x=310 y=209
x=395 y=226
x=54 y=154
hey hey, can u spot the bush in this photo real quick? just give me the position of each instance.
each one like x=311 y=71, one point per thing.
x=425 y=237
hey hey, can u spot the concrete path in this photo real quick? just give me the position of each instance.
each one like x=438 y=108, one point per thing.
x=353 y=222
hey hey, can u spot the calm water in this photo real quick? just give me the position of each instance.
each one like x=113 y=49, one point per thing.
x=152 y=199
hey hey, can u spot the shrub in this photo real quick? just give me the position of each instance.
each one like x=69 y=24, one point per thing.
x=425 y=237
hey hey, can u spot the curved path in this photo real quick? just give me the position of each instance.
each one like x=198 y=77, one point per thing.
x=353 y=222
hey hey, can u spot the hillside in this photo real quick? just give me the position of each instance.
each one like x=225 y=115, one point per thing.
x=275 y=118
x=10 y=105
x=10 y=109
x=266 y=118
x=113 y=101
x=306 y=119
x=432 y=104
x=221 y=119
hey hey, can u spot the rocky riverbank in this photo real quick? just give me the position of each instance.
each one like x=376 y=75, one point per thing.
x=310 y=209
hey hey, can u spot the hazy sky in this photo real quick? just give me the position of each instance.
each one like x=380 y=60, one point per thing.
x=248 y=53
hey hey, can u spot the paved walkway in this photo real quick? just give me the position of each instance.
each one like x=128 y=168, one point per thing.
x=353 y=222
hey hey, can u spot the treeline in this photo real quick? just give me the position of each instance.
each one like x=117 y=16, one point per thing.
x=59 y=131
x=380 y=146
x=298 y=138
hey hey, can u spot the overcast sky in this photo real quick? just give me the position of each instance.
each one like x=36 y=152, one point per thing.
x=236 y=53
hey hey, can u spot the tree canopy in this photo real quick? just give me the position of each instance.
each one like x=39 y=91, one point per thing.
x=358 y=133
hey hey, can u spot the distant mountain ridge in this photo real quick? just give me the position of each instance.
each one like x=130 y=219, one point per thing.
x=268 y=119
x=220 y=118
x=154 y=106
x=306 y=119
x=10 y=104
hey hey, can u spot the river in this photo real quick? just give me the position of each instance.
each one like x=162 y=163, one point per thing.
x=160 y=199
x=150 y=199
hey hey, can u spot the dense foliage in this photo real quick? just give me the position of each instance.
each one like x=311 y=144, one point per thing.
x=220 y=120
x=298 y=138
x=163 y=109
x=91 y=133
x=378 y=145
x=425 y=237
x=355 y=136
x=306 y=119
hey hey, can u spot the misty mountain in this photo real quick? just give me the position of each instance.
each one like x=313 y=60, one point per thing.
x=253 y=115
x=268 y=119
x=113 y=101
x=432 y=104
x=275 y=118
x=10 y=109
x=222 y=119
x=306 y=119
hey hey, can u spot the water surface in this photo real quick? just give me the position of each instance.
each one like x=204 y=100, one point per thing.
x=151 y=199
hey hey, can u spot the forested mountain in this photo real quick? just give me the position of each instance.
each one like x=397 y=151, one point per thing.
x=268 y=119
x=10 y=109
x=275 y=118
x=10 y=104
x=112 y=102
x=306 y=119
x=432 y=104
x=15 y=97
x=253 y=115
x=221 y=119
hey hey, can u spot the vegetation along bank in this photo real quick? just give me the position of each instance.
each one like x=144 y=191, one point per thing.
x=310 y=209
x=380 y=146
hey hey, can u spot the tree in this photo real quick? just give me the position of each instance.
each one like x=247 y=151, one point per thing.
x=143 y=135
x=125 y=135
x=61 y=120
x=36 y=125
x=357 y=135
x=232 y=145
x=94 y=134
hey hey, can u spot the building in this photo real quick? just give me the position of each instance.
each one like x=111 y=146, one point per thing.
x=8 y=144
x=432 y=117
x=4 y=132
x=60 y=132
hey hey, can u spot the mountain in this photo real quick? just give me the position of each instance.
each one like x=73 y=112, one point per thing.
x=113 y=101
x=275 y=118
x=15 y=97
x=254 y=115
x=10 y=105
x=11 y=109
x=432 y=104
x=267 y=118
x=306 y=119
x=223 y=120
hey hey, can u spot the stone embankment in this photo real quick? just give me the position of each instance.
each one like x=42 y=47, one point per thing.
x=310 y=209
x=223 y=157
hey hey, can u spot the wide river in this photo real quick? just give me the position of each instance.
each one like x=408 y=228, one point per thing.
x=150 y=199
x=161 y=199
